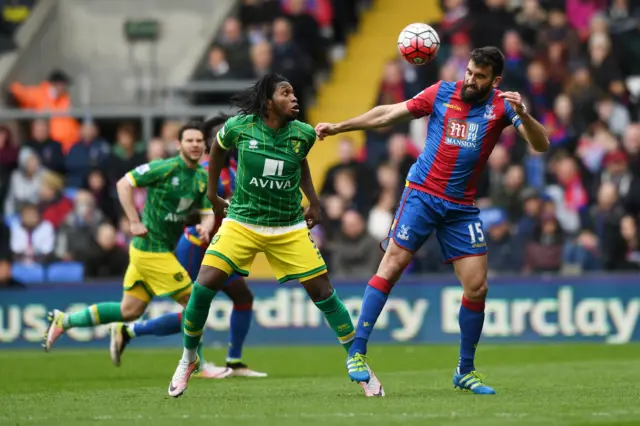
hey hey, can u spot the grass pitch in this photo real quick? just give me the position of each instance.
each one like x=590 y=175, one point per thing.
x=536 y=384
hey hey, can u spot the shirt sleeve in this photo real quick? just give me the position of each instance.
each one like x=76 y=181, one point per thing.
x=148 y=174
x=422 y=104
x=227 y=137
x=510 y=115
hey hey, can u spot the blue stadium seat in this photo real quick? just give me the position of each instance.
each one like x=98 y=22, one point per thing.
x=28 y=273
x=65 y=272
x=70 y=193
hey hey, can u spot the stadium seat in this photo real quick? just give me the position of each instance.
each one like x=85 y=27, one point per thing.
x=28 y=273
x=65 y=272
x=70 y=193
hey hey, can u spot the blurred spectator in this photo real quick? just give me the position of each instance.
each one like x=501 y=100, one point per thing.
x=255 y=15
x=398 y=157
x=32 y=239
x=604 y=67
x=455 y=20
x=306 y=32
x=261 y=59
x=289 y=59
x=54 y=205
x=235 y=44
x=169 y=137
x=530 y=21
x=559 y=123
x=155 y=151
x=627 y=249
x=509 y=192
x=9 y=151
x=49 y=151
x=216 y=67
x=51 y=95
x=105 y=258
x=381 y=216
x=514 y=76
x=6 y=280
x=558 y=32
x=334 y=208
x=504 y=255
x=570 y=194
x=584 y=95
x=614 y=115
x=76 y=236
x=353 y=252
x=580 y=12
x=616 y=170
x=489 y=184
x=459 y=59
x=347 y=161
x=25 y=182
x=631 y=144
x=543 y=253
x=90 y=152
x=490 y=21
x=126 y=154
x=123 y=234
x=98 y=186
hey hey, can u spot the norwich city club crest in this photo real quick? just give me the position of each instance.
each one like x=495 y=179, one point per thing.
x=296 y=144
x=178 y=277
x=215 y=239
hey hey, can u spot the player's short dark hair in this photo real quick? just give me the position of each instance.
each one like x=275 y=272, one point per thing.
x=489 y=56
x=192 y=125
x=254 y=99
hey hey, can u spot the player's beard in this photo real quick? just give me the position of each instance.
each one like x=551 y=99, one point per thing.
x=475 y=95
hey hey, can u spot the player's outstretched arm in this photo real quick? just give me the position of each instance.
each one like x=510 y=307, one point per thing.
x=530 y=129
x=380 y=116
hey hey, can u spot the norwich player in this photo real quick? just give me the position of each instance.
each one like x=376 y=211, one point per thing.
x=174 y=186
x=265 y=215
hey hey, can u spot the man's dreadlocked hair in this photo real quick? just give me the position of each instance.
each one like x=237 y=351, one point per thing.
x=254 y=99
x=210 y=129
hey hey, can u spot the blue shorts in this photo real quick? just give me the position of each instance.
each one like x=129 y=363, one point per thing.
x=458 y=227
x=190 y=256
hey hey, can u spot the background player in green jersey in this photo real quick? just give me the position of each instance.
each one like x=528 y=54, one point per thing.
x=265 y=215
x=174 y=187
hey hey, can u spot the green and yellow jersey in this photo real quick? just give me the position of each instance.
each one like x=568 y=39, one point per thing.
x=173 y=190
x=269 y=170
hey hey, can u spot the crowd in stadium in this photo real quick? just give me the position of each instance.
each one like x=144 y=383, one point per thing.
x=574 y=208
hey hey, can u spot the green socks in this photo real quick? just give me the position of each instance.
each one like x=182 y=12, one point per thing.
x=195 y=315
x=102 y=313
x=339 y=319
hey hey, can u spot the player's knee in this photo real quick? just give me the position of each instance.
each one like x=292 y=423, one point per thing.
x=393 y=264
x=476 y=289
x=131 y=312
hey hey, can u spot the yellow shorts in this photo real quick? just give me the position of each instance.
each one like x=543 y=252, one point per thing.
x=292 y=255
x=155 y=274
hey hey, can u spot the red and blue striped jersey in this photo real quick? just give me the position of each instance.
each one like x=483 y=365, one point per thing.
x=460 y=138
x=226 y=186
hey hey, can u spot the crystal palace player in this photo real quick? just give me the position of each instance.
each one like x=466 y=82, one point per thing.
x=466 y=120
x=190 y=252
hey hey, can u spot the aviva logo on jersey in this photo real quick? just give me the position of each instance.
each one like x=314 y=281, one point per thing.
x=271 y=168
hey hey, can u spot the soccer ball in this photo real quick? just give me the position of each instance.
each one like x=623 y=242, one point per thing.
x=418 y=43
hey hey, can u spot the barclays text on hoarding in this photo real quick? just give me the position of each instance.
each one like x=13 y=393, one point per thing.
x=520 y=311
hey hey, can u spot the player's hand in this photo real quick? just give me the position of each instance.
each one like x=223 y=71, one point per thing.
x=203 y=233
x=220 y=207
x=138 y=229
x=313 y=215
x=515 y=100
x=326 y=129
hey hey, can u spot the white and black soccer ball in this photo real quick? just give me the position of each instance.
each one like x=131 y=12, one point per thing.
x=418 y=43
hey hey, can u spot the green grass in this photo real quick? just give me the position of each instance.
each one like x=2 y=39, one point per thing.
x=536 y=384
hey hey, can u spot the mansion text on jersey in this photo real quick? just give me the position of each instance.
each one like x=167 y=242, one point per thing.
x=461 y=133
